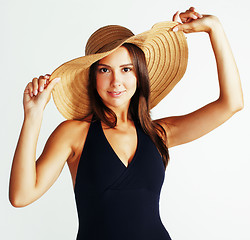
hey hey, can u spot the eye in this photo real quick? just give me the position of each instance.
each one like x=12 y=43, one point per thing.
x=103 y=70
x=127 y=69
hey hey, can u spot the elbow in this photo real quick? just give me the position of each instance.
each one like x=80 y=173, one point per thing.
x=238 y=107
x=231 y=106
x=16 y=205
x=18 y=201
x=21 y=198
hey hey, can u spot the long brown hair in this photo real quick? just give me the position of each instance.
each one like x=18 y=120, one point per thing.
x=139 y=104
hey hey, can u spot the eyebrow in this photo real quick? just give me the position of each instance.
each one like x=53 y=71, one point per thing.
x=123 y=65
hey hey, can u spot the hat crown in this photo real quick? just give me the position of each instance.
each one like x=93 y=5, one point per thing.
x=107 y=38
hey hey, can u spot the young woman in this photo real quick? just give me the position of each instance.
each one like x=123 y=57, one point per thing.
x=116 y=154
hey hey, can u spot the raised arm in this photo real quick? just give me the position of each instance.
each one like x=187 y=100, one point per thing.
x=186 y=128
x=30 y=178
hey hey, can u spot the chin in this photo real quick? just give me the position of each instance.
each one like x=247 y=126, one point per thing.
x=117 y=104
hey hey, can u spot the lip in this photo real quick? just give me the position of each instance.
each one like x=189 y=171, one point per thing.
x=116 y=94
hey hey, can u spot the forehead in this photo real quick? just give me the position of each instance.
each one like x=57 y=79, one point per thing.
x=118 y=57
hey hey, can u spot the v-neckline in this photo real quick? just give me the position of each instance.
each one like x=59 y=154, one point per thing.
x=118 y=158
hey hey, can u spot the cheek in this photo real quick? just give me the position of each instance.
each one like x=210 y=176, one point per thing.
x=132 y=83
x=100 y=83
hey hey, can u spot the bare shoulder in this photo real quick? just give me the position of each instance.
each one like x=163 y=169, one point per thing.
x=166 y=124
x=73 y=130
x=71 y=134
x=163 y=122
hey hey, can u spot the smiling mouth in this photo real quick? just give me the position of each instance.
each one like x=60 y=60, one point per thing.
x=116 y=93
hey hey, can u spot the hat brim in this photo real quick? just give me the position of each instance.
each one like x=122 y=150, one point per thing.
x=166 y=55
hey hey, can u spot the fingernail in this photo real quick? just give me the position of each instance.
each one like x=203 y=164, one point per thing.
x=35 y=92
x=41 y=89
x=175 y=29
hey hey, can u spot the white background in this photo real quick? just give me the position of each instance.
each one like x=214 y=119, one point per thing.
x=206 y=193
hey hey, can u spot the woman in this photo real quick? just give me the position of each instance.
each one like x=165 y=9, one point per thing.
x=116 y=155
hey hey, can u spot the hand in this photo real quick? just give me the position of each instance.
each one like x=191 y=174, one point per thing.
x=37 y=93
x=192 y=21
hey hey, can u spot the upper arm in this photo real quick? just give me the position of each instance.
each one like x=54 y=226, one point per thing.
x=186 y=128
x=58 y=149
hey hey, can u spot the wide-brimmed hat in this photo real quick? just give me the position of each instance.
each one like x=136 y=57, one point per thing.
x=166 y=55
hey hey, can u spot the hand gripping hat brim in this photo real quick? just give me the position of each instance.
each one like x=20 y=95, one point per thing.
x=166 y=55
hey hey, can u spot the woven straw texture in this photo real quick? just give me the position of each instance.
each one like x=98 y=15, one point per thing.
x=166 y=55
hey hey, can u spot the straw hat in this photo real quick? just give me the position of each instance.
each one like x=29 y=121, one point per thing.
x=166 y=55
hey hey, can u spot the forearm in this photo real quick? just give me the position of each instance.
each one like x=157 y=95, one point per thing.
x=23 y=173
x=228 y=75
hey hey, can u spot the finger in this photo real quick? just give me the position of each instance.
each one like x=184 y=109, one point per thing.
x=192 y=9
x=185 y=27
x=180 y=27
x=176 y=28
x=188 y=15
x=52 y=83
x=191 y=19
x=176 y=16
x=47 y=77
x=35 y=86
x=29 y=89
x=198 y=15
x=41 y=83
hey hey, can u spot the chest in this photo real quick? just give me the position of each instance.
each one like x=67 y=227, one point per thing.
x=101 y=168
x=123 y=143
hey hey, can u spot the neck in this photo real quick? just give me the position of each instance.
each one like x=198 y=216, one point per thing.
x=122 y=114
x=123 y=117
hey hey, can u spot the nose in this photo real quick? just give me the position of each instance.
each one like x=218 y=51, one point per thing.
x=116 y=80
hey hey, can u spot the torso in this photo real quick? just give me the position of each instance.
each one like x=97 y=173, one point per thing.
x=111 y=197
x=123 y=140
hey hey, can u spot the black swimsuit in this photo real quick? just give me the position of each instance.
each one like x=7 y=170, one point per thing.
x=115 y=202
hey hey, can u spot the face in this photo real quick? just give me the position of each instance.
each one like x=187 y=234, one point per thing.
x=116 y=79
